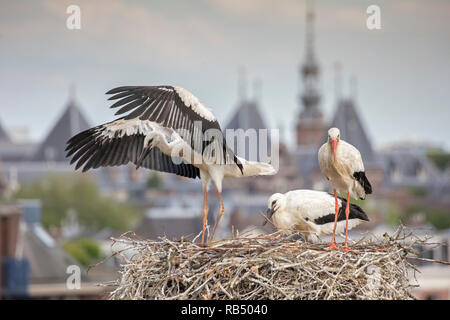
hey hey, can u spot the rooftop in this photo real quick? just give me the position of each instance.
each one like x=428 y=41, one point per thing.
x=71 y=122
x=4 y=137
x=248 y=117
x=352 y=130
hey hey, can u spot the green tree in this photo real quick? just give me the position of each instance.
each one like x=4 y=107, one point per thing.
x=62 y=193
x=440 y=158
x=439 y=218
x=418 y=192
x=85 y=251
x=394 y=216
x=154 y=181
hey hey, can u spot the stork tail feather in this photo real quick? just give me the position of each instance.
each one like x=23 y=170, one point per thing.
x=363 y=181
x=356 y=212
x=252 y=168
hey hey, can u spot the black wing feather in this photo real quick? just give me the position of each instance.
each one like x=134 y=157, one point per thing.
x=362 y=179
x=92 y=150
x=356 y=212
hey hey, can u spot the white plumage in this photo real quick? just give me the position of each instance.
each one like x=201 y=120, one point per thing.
x=191 y=101
x=311 y=213
x=166 y=129
x=342 y=165
x=341 y=172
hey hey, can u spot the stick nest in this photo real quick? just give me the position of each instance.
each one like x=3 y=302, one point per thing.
x=265 y=267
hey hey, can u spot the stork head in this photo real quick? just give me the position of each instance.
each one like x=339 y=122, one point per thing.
x=276 y=202
x=334 y=135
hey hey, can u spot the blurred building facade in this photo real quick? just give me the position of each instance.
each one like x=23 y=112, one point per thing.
x=32 y=264
x=24 y=162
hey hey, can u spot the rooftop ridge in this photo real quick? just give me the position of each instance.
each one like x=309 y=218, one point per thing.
x=70 y=122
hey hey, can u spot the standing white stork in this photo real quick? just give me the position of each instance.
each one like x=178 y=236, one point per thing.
x=342 y=165
x=167 y=129
x=311 y=213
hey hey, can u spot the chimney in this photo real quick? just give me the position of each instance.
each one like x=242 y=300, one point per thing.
x=14 y=273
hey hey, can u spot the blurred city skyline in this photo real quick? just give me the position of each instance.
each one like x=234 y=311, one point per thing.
x=402 y=70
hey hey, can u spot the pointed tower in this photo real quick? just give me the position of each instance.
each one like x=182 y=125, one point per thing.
x=347 y=119
x=4 y=137
x=71 y=122
x=247 y=116
x=310 y=124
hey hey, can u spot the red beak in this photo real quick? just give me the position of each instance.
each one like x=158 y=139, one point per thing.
x=334 y=149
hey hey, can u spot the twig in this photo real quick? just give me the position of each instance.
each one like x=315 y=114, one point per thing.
x=430 y=260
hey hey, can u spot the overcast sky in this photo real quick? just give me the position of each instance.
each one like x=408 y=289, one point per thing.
x=402 y=70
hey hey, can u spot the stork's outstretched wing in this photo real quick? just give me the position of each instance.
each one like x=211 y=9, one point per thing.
x=176 y=108
x=118 y=143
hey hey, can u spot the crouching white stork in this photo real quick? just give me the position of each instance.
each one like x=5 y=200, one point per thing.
x=342 y=165
x=311 y=213
x=166 y=129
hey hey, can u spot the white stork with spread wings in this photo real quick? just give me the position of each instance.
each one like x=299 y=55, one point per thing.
x=342 y=165
x=311 y=213
x=168 y=129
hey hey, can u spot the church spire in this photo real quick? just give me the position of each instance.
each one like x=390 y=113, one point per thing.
x=72 y=94
x=72 y=91
x=257 y=90
x=310 y=69
x=353 y=88
x=309 y=38
x=242 y=84
x=310 y=123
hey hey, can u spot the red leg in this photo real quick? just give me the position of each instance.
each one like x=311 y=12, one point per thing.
x=205 y=213
x=336 y=209
x=219 y=215
x=347 y=212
